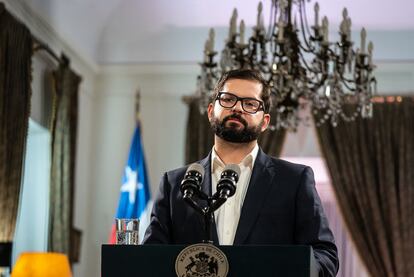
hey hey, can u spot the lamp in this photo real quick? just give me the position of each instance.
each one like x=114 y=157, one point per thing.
x=303 y=68
x=40 y=264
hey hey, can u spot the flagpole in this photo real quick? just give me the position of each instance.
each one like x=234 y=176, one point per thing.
x=135 y=197
x=137 y=104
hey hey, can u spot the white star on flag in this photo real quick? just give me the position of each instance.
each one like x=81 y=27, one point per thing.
x=131 y=185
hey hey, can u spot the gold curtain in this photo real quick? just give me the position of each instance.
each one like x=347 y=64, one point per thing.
x=371 y=164
x=62 y=184
x=15 y=93
x=271 y=141
x=200 y=138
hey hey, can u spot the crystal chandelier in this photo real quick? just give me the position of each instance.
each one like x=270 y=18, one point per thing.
x=304 y=69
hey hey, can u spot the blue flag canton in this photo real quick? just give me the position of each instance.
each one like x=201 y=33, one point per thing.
x=134 y=190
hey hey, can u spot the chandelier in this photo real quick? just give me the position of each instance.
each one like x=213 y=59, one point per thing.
x=304 y=69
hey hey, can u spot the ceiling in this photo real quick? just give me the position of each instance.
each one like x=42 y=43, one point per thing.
x=160 y=31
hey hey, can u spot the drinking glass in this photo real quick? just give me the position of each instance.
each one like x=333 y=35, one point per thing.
x=127 y=231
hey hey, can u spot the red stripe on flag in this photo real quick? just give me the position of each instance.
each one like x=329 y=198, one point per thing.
x=112 y=236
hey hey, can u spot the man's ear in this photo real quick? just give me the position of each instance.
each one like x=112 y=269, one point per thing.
x=266 y=121
x=210 y=111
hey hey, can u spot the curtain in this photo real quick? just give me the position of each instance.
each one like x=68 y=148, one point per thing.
x=371 y=164
x=350 y=264
x=200 y=138
x=271 y=141
x=62 y=183
x=15 y=93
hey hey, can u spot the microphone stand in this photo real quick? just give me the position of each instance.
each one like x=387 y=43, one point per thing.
x=213 y=203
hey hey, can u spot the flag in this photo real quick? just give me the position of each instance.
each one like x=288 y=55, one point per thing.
x=134 y=200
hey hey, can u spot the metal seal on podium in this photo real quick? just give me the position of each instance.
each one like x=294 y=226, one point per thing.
x=201 y=260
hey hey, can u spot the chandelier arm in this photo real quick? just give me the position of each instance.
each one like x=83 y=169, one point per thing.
x=343 y=78
x=315 y=71
x=331 y=52
x=304 y=35
x=272 y=19
x=305 y=31
x=346 y=79
x=311 y=49
x=345 y=83
x=302 y=8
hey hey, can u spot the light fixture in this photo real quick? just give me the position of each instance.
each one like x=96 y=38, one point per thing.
x=42 y=264
x=304 y=69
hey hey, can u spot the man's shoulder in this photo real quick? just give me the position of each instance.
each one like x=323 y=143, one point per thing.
x=284 y=165
x=288 y=171
x=177 y=171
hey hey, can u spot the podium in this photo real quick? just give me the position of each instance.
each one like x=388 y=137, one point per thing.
x=244 y=260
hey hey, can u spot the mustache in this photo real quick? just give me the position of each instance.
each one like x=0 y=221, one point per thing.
x=237 y=117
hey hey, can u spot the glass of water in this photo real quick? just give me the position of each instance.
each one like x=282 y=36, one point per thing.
x=127 y=231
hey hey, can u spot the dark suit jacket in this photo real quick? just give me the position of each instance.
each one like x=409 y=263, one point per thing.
x=281 y=207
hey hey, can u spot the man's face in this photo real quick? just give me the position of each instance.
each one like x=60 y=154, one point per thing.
x=234 y=124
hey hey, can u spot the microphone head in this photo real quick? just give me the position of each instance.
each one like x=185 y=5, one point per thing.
x=226 y=186
x=195 y=167
x=234 y=168
x=193 y=178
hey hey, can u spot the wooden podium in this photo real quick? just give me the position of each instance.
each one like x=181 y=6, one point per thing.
x=244 y=261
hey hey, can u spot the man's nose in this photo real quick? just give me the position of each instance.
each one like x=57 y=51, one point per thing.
x=238 y=107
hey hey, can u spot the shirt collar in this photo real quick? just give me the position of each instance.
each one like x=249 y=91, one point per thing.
x=247 y=161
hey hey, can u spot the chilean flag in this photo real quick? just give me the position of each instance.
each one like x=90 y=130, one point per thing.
x=134 y=201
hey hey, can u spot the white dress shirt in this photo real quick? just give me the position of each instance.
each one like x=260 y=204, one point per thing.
x=228 y=215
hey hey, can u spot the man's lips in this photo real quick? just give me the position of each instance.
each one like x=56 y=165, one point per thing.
x=235 y=120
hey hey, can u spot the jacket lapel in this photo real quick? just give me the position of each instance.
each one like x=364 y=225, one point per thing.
x=259 y=185
x=206 y=187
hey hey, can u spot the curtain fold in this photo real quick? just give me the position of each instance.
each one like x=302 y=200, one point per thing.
x=62 y=182
x=371 y=164
x=200 y=138
x=271 y=141
x=15 y=93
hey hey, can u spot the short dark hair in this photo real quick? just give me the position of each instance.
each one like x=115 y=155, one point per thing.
x=245 y=74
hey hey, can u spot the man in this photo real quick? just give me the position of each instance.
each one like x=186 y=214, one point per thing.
x=275 y=201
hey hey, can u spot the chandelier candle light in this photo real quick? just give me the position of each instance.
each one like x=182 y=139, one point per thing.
x=303 y=68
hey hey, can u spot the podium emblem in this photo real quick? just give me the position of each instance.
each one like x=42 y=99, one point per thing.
x=201 y=260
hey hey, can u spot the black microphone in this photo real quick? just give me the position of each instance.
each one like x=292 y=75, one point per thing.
x=226 y=186
x=191 y=184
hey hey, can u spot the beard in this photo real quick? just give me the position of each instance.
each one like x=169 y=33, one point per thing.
x=233 y=132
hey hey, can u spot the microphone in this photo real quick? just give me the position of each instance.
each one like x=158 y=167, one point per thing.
x=191 y=184
x=226 y=186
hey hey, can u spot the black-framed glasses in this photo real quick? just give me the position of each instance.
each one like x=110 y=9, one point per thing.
x=249 y=105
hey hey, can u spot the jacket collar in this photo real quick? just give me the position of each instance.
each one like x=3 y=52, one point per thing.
x=260 y=183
